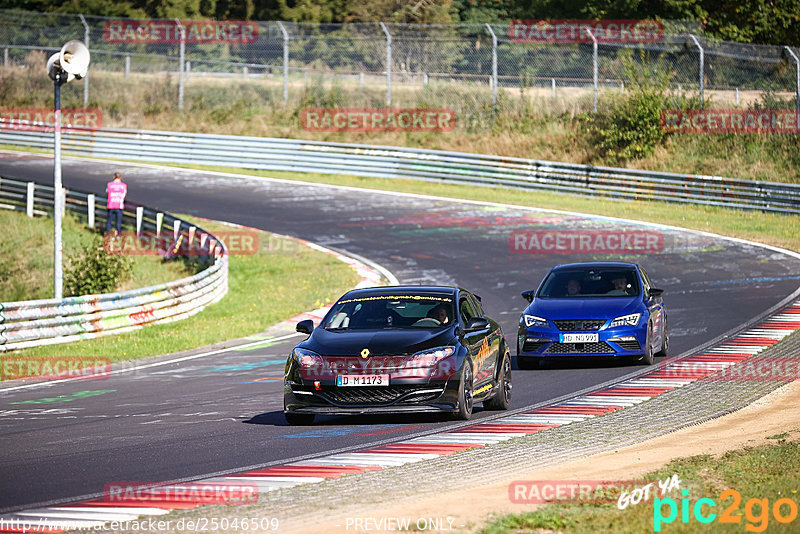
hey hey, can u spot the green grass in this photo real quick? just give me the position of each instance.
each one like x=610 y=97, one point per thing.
x=766 y=472
x=772 y=229
x=283 y=279
x=26 y=257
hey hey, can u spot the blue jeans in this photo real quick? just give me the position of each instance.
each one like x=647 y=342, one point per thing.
x=114 y=214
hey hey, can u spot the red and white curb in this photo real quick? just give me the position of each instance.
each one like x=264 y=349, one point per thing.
x=704 y=365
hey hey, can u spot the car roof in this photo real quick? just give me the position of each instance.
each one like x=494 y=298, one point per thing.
x=388 y=290
x=596 y=264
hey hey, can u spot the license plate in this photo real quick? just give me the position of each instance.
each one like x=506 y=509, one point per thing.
x=579 y=338
x=362 y=380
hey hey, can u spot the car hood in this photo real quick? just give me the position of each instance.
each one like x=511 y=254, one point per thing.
x=385 y=342
x=590 y=308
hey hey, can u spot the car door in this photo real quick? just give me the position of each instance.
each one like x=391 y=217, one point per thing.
x=655 y=305
x=471 y=340
x=481 y=343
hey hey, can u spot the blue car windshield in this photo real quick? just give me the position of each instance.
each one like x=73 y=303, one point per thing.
x=590 y=282
x=391 y=311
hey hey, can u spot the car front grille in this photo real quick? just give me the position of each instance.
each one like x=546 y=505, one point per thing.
x=573 y=325
x=531 y=346
x=629 y=345
x=378 y=395
x=579 y=348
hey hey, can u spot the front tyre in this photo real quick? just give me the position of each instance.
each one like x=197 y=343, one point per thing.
x=465 y=400
x=502 y=398
x=648 y=358
x=299 y=419
x=664 y=344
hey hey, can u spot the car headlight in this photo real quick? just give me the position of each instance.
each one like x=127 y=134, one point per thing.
x=307 y=358
x=532 y=320
x=626 y=320
x=430 y=357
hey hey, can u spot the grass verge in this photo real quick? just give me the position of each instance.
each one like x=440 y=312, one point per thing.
x=26 y=257
x=758 y=473
x=282 y=279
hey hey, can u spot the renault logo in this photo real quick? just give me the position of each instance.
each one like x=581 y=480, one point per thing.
x=365 y=353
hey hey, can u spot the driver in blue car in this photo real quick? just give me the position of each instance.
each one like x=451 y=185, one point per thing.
x=440 y=314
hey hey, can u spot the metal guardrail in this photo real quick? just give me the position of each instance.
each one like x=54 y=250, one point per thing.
x=50 y=321
x=420 y=164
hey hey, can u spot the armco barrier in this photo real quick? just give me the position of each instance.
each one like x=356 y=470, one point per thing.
x=44 y=322
x=420 y=164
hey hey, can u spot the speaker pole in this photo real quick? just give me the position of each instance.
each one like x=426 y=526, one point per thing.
x=58 y=198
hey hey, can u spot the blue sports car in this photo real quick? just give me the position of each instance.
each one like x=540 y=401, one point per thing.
x=593 y=310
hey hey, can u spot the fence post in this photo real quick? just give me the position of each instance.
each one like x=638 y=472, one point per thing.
x=90 y=210
x=244 y=72
x=388 y=63
x=797 y=86
x=702 y=68
x=285 y=62
x=494 y=65
x=29 y=203
x=594 y=69
x=127 y=65
x=188 y=69
x=86 y=77
x=5 y=57
x=181 y=66
x=553 y=80
x=139 y=218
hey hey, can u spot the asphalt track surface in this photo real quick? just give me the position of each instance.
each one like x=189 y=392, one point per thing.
x=224 y=411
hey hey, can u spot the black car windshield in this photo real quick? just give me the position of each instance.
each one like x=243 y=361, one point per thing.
x=391 y=311
x=591 y=282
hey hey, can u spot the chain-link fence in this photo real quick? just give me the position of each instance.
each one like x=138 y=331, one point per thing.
x=469 y=68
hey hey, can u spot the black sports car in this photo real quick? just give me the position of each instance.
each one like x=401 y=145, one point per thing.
x=399 y=349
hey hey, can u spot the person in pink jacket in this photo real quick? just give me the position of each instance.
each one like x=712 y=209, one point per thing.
x=116 y=191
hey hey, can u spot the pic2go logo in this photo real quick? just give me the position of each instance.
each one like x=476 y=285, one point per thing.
x=756 y=511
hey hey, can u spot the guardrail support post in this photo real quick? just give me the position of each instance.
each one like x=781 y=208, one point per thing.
x=127 y=65
x=181 y=66
x=494 y=66
x=176 y=229
x=192 y=231
x=85 y=78
x=285 y=62
x=90 y=210
x=797 y=86
x=702 y=68
x=388 y=63
x=29 y=203
x=139 y=217
x=159 y=222
x=594 y=70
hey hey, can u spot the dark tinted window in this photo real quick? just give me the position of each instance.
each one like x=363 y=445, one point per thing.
x=390 y=311
x=591 y=282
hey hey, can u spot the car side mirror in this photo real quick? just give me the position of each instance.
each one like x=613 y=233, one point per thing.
x=656 y=292
x=528 y=295
x=477 y=324
x=305 y=327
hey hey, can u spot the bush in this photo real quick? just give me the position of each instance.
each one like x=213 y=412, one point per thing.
x=631 y=128
x=96 y=271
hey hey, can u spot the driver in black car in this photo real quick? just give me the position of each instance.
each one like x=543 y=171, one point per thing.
x=440 y=314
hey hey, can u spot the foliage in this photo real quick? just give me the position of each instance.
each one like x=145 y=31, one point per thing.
x=774 y=22
x=630 y=128
x=96 y=271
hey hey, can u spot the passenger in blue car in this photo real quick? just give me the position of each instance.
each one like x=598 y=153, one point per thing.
x=573 y=287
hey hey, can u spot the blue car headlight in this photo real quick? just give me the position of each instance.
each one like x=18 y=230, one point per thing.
x=532 y=320
x=626 y=320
